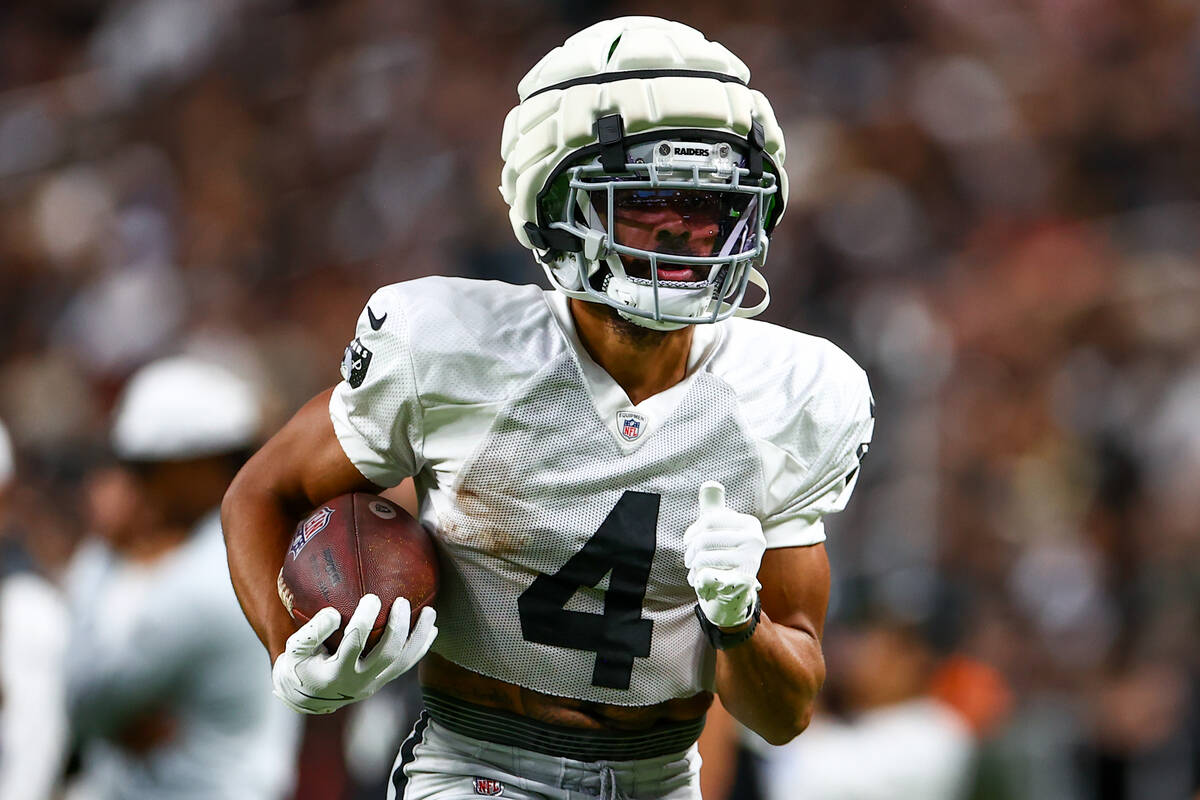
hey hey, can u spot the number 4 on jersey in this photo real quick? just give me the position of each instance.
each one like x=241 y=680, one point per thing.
x=623 y=545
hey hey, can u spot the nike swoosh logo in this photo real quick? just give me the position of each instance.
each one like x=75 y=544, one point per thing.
x=376 y=323
x=344 y=696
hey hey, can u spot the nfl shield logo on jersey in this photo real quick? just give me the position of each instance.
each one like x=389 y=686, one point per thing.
x=488 y=787
x=630 y=423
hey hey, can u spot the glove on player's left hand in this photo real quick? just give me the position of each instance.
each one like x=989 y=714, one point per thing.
x=723 y=551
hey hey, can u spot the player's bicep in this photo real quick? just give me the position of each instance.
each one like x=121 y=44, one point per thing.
x=795 y=587
x=304 y=463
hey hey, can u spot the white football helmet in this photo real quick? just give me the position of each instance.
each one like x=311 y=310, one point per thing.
x=639 y=111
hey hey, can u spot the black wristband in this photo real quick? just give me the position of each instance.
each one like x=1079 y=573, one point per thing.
x=723 y=641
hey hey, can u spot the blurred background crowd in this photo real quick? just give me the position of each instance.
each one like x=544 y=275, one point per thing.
x=995 y=209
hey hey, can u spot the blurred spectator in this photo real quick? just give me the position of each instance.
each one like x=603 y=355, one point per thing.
x=888 y=738
x=33 y=636
x=169 y=690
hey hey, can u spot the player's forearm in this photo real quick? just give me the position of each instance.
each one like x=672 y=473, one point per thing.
x=300 y=466
x=258 y=525
x=770 y=682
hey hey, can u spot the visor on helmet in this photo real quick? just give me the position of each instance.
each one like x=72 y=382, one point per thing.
x=688 y=222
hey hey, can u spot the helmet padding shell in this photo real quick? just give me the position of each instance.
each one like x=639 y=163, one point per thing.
x=658 y=75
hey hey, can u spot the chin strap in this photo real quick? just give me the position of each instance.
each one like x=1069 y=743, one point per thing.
x=758 y=280
x=670 y=301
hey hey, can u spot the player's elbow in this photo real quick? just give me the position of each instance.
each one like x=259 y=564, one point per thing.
x=245 y=494
x=801 y=722
x=233 y=499
x=784 y=730
x=792 y=716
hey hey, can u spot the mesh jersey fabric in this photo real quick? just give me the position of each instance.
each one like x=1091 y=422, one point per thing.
x=484 y=393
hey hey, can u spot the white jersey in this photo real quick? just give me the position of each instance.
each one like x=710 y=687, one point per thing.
x=559 y=506
x=168 y=636
x=915 y=748
x=33 y=723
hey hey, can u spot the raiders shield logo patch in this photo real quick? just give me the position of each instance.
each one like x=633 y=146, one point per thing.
x=355 y=362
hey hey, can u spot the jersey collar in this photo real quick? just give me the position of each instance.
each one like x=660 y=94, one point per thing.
x=632 y=424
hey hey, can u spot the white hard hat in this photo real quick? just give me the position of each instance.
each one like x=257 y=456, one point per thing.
x=6 y=457
x=182 y=407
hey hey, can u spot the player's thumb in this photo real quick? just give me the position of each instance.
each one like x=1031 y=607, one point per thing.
x=308 y=639
x=712 y=496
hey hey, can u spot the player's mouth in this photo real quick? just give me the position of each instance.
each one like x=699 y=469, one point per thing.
x=680 y=274
x=675 y=273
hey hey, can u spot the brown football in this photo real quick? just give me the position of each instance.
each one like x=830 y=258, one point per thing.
x=354 y=545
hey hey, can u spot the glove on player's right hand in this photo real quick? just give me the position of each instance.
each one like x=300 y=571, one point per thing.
x=311 y=681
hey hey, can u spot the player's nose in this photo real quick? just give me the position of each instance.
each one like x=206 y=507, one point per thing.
x=678 y=241
x=669 y=237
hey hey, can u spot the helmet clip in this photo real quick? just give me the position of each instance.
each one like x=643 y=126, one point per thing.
x=594 y=248
x=610 y=132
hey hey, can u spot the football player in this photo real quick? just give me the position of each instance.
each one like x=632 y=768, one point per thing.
x=626 y=478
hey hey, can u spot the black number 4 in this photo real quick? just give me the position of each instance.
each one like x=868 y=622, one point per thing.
x=624 y=544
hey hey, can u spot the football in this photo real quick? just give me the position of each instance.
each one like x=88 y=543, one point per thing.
x=354 y=545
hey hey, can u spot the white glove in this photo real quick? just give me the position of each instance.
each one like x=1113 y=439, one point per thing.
x=311 y=681
x=722 y=552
